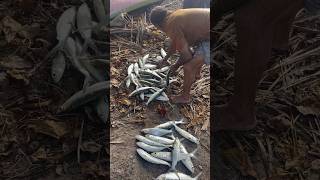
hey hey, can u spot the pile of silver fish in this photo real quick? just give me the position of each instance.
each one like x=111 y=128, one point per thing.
x=74 y=34
x=160 y=146
x=149 y=81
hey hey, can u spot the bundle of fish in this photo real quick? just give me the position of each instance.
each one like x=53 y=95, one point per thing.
x=160 y=146
x=74 y=34
x=149 y=81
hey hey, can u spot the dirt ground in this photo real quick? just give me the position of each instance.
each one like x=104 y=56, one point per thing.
x=129 y=116
x=126 y=164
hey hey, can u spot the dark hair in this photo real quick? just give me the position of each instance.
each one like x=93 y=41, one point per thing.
x=158 y=15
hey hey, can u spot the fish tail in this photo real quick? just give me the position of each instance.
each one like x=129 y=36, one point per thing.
x=197 y=177
x=182 y=139
x=192 y=154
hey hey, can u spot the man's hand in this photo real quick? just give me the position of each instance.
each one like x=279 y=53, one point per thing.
x=163 y=63
x=174 y=68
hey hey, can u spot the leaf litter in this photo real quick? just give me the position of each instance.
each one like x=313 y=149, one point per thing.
x=285 y=143
x=37 y=76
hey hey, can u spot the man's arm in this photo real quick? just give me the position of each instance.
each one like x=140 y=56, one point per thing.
x=185 y=53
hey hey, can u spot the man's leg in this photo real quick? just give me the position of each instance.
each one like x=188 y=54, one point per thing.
x=254 y=48
x=282 y=27
x=198 y=73
x=190 y=70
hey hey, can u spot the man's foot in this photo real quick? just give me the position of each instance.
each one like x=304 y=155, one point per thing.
x=226 y=118
x=180 y=99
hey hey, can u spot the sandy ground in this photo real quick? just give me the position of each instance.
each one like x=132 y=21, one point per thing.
x=125 y=162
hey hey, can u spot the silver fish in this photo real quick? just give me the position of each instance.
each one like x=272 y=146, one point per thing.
x=159 y=98
x=64 y=27
x=80 y=98
x=158 y=58
x=150 y=142
x=71 y=49
x=130 y=69
x=100 y=11
x=87 y=65
x=146 y=156
x=161 y=140
x=84 y=23
x=141 y=65
x=128 y=81
x=152 y=81
x=146 y=82
x=169 y=124
x=141 y=95
x=149 y=72
x=58 y=67
x=155 y=95
x=163 y=53
x=167 y=156
x=136 y=68
x=156 y=131
x=135 y=80
x=150 y=148
x=186 y=135
x=144 y=59
x=162 y=75
x=137 y=91
x=150 y=66
x=162 y=70
x=177 y=176
x=187 y=162
x=176 y=154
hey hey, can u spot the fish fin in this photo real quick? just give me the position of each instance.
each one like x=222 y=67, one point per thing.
x=192 y=154
x=197 y=177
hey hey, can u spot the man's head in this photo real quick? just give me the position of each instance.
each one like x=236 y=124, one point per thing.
x=158 y=16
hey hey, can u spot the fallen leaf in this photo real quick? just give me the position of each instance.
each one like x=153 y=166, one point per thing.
x=90 y=147
x=51 y=128
x=315 y=165
x=308 y=110
x=19 y=75
x=115 y=82
x=40 y=154
x=125 y=101
x=10 y=28
x=14 y=62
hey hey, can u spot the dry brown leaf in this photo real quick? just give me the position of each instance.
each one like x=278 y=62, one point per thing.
x=10 y=28
x=115 y=82
x=19 y=75
x=90 y=147
x=315 y=165
x=308 y=110
x=40 y=154
x=51 y=128
x=125 y=101
x=14 y=62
